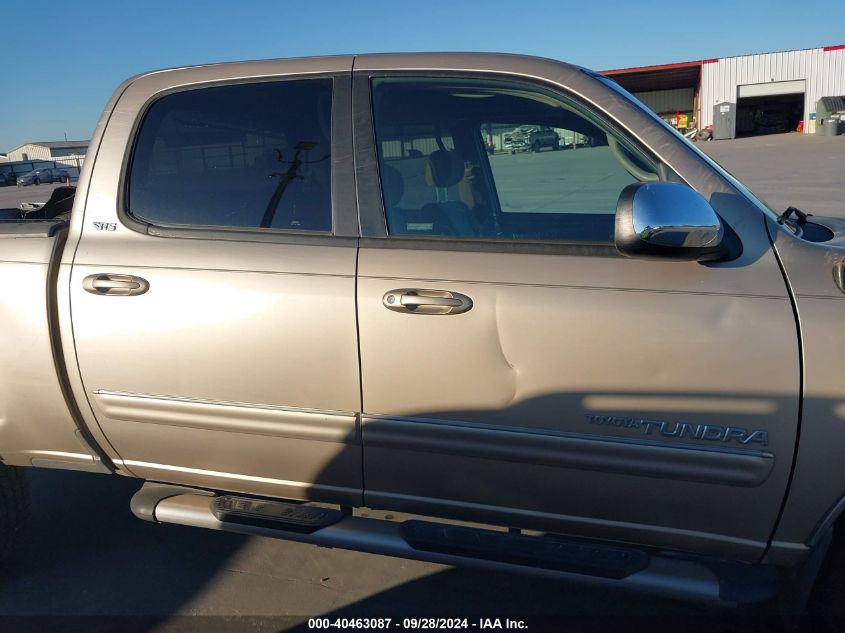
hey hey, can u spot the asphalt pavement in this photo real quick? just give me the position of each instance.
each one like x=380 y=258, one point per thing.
x=11 y=196
x=798 y=170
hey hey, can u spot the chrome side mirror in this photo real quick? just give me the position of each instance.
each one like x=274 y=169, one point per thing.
x=667 y=220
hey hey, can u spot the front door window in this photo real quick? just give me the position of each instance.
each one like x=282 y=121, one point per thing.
x=492 y=160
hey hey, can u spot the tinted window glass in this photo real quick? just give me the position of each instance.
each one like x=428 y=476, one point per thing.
x=250 y=155
x=489 y=159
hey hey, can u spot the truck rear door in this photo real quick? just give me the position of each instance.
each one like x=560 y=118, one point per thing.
x=213 y=285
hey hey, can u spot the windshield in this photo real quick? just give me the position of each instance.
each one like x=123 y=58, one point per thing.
x=722 y=171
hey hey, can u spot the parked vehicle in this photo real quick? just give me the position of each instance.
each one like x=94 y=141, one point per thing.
x=274 y=336
x=531 y=138
x=37 y=176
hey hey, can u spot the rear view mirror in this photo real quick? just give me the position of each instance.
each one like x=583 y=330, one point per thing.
x=666 y=220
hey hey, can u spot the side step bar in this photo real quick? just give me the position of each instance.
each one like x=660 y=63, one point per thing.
x=545 y=556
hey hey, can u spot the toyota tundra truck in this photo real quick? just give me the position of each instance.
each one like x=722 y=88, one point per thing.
x=286 y=292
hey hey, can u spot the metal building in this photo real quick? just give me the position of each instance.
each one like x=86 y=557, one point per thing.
x=772 y=92
x=48 y=150
x=671 y=90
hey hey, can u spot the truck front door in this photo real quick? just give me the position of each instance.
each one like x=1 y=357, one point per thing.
x=517 y=370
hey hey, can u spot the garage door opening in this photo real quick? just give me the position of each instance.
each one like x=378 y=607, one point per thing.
x=769 y=115
x=769 y=108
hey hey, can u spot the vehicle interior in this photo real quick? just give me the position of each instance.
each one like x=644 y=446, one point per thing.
x=440 y=179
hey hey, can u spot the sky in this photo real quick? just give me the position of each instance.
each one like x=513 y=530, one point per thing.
x=62 y=60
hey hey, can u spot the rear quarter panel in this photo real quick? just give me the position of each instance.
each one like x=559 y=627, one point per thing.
x=36 y=427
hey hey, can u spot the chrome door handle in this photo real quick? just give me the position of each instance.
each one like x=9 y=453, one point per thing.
x=424 y=301
x=115 y=285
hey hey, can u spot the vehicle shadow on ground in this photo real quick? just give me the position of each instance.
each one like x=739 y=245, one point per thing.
x=86 y=555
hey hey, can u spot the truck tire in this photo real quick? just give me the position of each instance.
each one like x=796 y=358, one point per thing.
x=14 y=506
x=535 y=146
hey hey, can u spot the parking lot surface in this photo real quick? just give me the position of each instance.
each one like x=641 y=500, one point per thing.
x=799 y=170
x=86 y=555
x=11 y=196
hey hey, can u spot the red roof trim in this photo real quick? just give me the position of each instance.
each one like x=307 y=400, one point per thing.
x=640 y=69
x=839 y=47
x=709 y=61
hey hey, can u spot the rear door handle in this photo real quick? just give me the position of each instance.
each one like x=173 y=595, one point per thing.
x=115 y=285
x=424 y=301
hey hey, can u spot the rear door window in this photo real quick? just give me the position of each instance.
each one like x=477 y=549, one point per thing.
x=254 y=156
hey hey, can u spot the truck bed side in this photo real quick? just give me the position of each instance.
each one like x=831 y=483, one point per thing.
x=37 y=425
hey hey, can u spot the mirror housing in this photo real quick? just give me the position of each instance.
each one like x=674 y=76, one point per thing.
x=667 y=220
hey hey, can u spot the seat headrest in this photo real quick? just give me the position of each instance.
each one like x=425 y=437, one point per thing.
x=444 y=169
x=393 y=185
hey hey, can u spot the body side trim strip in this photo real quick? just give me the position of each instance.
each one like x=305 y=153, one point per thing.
x=233 y=417
x=712 y=465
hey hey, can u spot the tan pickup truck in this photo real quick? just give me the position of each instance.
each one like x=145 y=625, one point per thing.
x=292 y=289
